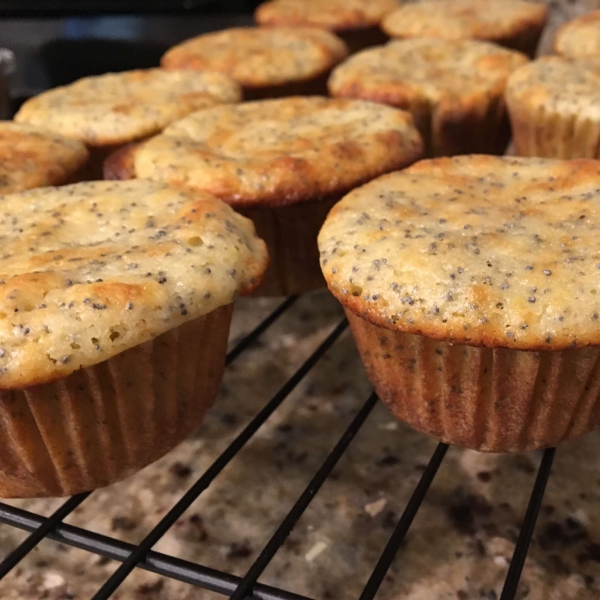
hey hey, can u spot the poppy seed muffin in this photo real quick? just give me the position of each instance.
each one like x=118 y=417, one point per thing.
x=552 y=103
x=116 y=299
x=281 y=61
x=512 y=23
x=453 y=88
x=31 y=157
x=580 y=37
x=283 y=163
x=107 y=111
x=471 y=285
x=355 y=21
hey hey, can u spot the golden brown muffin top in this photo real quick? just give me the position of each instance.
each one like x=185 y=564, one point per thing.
x=31 y=157
x=412 y=71
x=465 y=19
x=117 y=108
x=277 y=152
x=481 y=250
x=562 y=85
x=92 y=269
x=258 y=57
x=334 y=15
x=580 y=37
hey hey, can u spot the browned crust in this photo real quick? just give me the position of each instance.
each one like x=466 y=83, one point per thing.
x=33 y=157
x=267 y=15
x=256 y=281
x=297 y=173
x=44 y=284
x=523 y=35
x=289 y=176
x=592 y=17
x=297 y=181
x=190 y=55
x=571 y=173
x=481 y=337
x=117 y=108
x=477 y=123
x=473 y=120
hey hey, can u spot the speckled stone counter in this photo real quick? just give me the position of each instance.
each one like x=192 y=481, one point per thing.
x=457 y=549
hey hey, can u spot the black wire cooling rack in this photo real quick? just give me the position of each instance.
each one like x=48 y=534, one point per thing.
x=142 y=556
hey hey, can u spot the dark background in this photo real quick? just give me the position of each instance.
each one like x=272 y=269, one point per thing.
x=86 y=7
x=58 y=41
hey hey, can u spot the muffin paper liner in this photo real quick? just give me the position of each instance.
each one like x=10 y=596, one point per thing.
x=450 y=129
x=538 y=131
x=492 y=400
x=105 y=422
x=290 y=233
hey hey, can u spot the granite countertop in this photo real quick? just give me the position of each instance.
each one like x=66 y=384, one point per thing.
x=457 y=549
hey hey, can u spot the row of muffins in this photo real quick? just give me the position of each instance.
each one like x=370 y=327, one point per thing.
x=124 y=373
x=115 y=109
x=117 y=296
x=450 y=88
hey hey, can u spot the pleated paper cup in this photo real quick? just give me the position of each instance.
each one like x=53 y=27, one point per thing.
x=479 y=128
x=541 y=131
x=105 y=422
x=492 y=400
x=290 y=233
x=450 y=129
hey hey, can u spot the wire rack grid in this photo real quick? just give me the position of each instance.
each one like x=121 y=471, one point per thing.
x=142 y=556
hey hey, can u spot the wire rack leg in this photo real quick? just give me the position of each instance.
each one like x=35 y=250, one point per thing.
x=535 y=502
x=404 y=524
x=222 y=461
x=283 y=531
x=49 y=524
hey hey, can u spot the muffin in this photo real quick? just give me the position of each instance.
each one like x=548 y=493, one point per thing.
x=116 y=301
x=580 y=37
x=552 y=103
x=471 y=286
x=274 y=62
x=512 y=23
x=453 y=88
x=283 y=163
x=105 y=112
x=31 y=157
x=355 y=21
